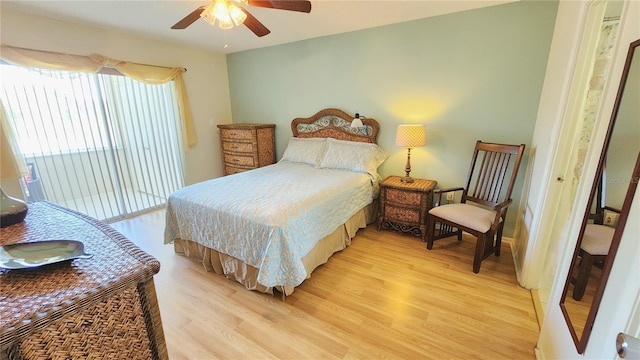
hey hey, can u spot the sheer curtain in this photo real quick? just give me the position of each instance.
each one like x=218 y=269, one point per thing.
x=13 y=165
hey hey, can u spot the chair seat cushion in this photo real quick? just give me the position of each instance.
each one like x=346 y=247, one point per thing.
x=597 y=239
x=472 y=217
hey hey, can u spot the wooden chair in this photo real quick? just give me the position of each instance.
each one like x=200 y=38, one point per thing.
x=596 y=241
x=483 y=205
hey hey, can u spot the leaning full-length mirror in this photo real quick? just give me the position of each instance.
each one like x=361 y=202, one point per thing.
x=605 y=218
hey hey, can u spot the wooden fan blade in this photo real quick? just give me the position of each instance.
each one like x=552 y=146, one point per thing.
x=189 y=19
x=254 y=25
x=292 y=5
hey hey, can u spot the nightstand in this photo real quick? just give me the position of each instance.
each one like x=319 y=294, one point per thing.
x=404 y=206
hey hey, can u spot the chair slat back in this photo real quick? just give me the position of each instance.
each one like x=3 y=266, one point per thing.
x=599 y=206
x=492 y=166
x=597 y=213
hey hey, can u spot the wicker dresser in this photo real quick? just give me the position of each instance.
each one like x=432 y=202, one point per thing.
x=404 y=206
x=99 y=308
x=247 y=146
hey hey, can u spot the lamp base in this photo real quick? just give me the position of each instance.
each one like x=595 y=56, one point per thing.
x=12 y=210
x=407 y=169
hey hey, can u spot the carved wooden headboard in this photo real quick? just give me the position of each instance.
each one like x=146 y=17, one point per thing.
x=335 y=124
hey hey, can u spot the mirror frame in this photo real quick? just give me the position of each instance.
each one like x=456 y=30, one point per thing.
x=581 y=341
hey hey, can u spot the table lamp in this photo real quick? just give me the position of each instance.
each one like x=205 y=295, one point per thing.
x=12 y=210
x=409 y=136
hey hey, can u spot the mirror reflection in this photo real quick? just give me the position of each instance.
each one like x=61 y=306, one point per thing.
x=592 y=259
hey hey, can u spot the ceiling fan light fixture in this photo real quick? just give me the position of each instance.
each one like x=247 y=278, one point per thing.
x=208 y=14
x=225 y=24
x=220 y=11
x=237 y=15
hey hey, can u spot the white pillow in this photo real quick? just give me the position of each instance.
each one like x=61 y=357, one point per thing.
x=353 y=156
x=304 y=150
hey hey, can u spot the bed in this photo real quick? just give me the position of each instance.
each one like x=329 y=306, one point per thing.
x=270 y=227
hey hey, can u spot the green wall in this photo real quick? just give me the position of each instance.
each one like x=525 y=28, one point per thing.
x=473 y=75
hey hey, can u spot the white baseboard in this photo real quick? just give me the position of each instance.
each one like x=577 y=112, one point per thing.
x=537 y=307
x=514 y=257
x=507 y=240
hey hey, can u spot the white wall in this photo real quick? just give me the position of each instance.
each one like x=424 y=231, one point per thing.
x=205 y=79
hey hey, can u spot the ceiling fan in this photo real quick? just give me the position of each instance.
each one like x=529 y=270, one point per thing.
x=230 y=12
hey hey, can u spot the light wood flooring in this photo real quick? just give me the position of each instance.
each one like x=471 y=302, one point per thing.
x=578 y=310
x=385 y=296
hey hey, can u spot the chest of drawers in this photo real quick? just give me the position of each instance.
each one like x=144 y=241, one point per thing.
x=247 y=146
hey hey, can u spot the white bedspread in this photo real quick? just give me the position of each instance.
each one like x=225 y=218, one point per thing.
x=269 y=217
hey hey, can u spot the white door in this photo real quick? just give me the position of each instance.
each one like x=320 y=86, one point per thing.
x=618 y=311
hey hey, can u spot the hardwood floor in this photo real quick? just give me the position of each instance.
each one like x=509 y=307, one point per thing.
x=385 y=296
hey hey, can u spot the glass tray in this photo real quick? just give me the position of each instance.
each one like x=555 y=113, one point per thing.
x=39 y=253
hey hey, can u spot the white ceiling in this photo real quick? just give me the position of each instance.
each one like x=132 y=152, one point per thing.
x=153 y=18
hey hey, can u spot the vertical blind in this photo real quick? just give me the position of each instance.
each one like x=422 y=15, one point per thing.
x=105 y=145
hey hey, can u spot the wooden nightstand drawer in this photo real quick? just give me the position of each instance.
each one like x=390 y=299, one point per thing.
x=238 y=147
x=404 y=206
x=402 y=214
x=404 y=197
x=238 y=160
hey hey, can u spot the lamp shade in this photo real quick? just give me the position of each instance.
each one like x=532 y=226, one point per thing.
x=12 y=210
x=410 y=136
x=8 y=165
x=12 y=166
